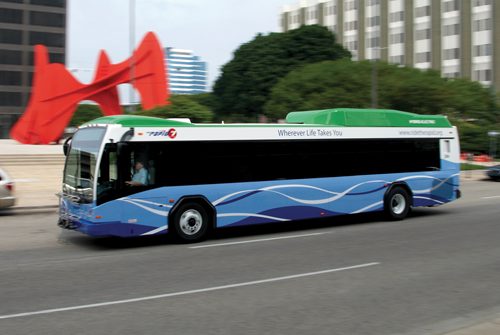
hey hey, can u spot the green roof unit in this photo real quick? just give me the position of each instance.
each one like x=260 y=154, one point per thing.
x=350 y=117
x=138 y=121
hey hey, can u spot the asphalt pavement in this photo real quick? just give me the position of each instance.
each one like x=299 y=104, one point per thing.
x=435 y=272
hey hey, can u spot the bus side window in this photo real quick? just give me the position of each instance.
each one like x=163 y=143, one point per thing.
x=151 y=172
x=447 y=148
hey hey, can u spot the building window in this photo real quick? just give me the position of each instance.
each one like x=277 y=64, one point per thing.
x=53 y=58
x=451 y=75
x=423 y=57
x=351 y=25
x=374 y=42
x=397 y=38
x=48 y=39
x=373 y=2
x=482 y=75
x=478 y=3
x=423 y=34
x=8 y=15
x=481 y=25
x=312 y=14
x=450 y=6
x=10 y=99
x=483 y=50
x=352 y=45
x=373 y=21
x=11 y=36
x=400 y=59
x=47 y=19
x=352 y=5
x=397 y=16
x=10 y=57
x=12 y=78
x=449 y=54
x=451 y=29
x=331 y=10
x=50 y=3
x=423 y=11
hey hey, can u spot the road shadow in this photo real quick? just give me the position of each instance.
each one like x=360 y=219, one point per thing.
x=228 y=233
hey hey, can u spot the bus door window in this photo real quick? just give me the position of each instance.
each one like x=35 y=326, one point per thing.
x=108 y=175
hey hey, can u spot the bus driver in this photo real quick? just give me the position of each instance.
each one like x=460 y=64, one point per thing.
x=140 y=177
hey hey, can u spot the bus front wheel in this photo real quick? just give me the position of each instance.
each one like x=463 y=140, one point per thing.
x=191 y=222
x=397 y=203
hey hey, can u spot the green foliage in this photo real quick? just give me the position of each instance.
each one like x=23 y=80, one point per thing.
x=245 y=83
x=181 y=106
x=474 y=134
x=343 y=83
x=205 y=99
x=469 y=167
x=85 y=113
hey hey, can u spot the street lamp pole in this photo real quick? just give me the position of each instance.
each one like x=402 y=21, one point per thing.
x=374 y=91
x=132 y=45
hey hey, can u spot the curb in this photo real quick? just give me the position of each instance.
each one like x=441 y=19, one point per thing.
x=27 y=210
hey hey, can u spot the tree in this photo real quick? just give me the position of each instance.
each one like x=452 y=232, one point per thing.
x=181 y=106
x=205 y=99
x=85 y=113
x=344 y=83
x=245 y=82
x=332 y=84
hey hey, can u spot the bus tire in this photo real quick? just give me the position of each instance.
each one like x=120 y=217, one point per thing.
x=191 y=222
x=397 y=203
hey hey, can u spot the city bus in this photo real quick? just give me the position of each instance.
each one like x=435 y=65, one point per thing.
x=198 y=177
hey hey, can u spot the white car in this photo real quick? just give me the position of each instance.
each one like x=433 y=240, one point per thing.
x=7 y=198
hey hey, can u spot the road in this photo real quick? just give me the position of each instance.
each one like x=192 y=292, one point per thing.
x=433 y=272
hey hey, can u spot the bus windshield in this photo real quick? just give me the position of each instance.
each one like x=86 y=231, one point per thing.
x=78 y=182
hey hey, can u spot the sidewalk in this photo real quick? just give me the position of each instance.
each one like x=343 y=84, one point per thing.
x=37 y=178
x=11 y=147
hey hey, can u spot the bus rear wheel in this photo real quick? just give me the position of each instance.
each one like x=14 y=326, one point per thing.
x=397 y=203
x=191 y=222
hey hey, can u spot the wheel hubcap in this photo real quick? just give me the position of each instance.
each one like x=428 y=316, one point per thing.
x=191 y=222
x=398 y=204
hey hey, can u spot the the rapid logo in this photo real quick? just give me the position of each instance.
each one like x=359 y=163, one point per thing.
x=172 y=133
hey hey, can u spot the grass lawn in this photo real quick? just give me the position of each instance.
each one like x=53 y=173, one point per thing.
x=469 y=166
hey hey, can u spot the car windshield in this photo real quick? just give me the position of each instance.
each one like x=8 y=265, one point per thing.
x=78 y=182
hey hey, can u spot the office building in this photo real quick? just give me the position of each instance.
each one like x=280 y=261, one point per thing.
x=24 y=23
x=186 y=73
x=459 y=38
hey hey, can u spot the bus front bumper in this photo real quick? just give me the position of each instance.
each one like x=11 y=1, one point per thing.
x=109 y=229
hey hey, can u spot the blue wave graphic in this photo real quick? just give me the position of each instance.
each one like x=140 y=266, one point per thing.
x=287 y=213
x=333 y=196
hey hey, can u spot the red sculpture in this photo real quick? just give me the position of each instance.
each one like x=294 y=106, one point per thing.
x=56 y=92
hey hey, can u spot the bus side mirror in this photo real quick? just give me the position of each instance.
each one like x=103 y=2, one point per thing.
x=67 y=145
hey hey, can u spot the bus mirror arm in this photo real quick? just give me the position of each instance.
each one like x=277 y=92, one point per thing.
x=67 y=145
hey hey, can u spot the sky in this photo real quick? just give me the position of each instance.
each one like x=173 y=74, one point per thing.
x=213 y=29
